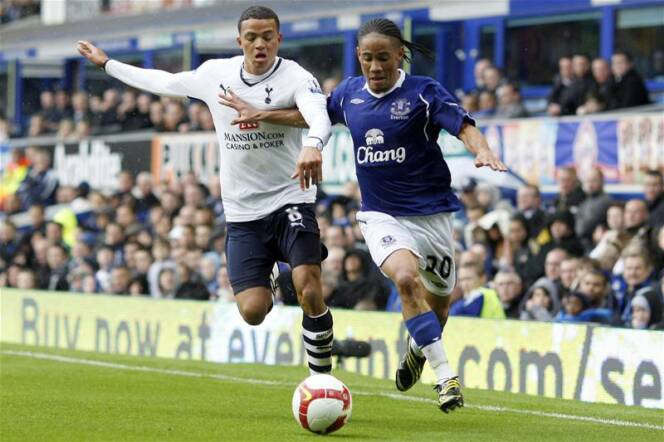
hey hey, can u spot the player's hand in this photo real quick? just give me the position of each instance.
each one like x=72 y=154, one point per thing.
x=486 y=158
x=246 y=112
x=92 y=53
x=309 y=167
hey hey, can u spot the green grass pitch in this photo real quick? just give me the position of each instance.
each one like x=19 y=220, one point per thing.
x=53 y=395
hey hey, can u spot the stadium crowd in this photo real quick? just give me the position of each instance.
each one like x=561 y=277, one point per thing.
x=581 y=87
x=12 y=10
x=579 y=257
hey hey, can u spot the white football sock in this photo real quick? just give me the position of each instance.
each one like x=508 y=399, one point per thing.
x=435 y=354
x=413 y=346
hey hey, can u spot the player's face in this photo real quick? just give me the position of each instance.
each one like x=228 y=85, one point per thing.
x=259 y=40
x=380 y=57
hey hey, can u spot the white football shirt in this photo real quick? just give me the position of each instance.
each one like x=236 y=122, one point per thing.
x=257 y=160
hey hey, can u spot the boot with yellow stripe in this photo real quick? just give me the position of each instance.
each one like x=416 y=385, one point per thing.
x=410 y=368
x=449 y=394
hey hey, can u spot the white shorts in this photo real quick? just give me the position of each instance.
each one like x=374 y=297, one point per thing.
x=429 y=237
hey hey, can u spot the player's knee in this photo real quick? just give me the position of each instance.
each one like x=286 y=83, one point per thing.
x=406 y=282
x=252 y=313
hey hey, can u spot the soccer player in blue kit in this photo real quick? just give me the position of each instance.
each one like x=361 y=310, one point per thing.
x=407 y=203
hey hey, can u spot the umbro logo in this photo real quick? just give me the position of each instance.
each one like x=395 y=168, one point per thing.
x=356 y=101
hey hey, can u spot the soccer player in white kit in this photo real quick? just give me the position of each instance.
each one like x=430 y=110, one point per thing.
x=407 y=203
x=270 y=216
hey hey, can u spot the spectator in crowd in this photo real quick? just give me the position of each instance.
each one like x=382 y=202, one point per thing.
x=487 y=104
x=526 y=252
x=57 y=261
x=190 y=287
x=120 y=279
x=143 y=194
x=576 y=308
x=637 y=274
x=157 y=116
x=138 y=286
x=37 y=126
x=108 y=117
x=41 y=183
x=492 y=79
x=63 y=106
x=601 y=71
x=360 y=287
x=529 y=204
x=125 y=187
x=470 y=102
x=26 y=280
x=629 y=90
x=128 y=115
x=569 y=270
x=174 y=117
x=478 y=300
x=48 y=111
x=646 y=310
x=592 y=210
x=478 y=71
x=653 y=191
x=12 y=10
x=66 y=130
x=224 y=290
x=541 y=302
x=570 y=193
x=594 y=285
x=143 y=103
x=561 y=98
x=80 y=108
x=583 y=82
x=9 y=242
x=561 y=227
x=509 y=288
x=552 y=261
x=207 y=123
x=510 y=104
x=636 y=225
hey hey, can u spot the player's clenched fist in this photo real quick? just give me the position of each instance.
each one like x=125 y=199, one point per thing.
x=309 y=167
x=92 y=53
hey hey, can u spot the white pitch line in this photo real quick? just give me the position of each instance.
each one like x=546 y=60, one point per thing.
x=399 y=397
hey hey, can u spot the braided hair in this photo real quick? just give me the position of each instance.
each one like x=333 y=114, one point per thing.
x=388 y=28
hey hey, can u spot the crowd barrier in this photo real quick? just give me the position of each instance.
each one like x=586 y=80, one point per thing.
x=588 y=363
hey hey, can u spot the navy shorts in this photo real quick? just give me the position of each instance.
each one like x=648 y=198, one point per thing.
x=252 y=248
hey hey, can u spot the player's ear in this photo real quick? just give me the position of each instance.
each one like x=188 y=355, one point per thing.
x=239 y=41
x=402 y=53
x=280 y=38
x=357 y=52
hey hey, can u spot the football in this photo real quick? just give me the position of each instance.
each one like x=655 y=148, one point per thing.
x=322 y=404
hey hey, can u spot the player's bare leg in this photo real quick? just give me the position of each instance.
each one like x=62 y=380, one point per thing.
x=254 y=304
x=424 y=327
x=317 y=320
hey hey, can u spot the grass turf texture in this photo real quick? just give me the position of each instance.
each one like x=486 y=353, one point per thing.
x=135 y=398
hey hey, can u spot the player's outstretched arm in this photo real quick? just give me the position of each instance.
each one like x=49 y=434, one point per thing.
x=476 y=143
x=151 y=80
x=249 y=114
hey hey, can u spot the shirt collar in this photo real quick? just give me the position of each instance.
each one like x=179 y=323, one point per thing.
x=400 y=80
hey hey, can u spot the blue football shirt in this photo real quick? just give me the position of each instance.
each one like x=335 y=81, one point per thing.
x=399 y=165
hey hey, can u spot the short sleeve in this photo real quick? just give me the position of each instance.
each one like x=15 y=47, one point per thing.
x=335 y=102
x=444 y=111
